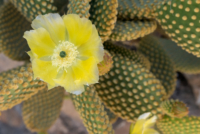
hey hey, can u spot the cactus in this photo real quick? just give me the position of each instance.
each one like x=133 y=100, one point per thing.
x=13 y=25
x=138 y=8
x=129 y=89
x=31 y=9
x=128 y=30
x=132 y=82
x=103 y=15
x=161 y=65
x=41 y=110
x=132 y=55
x=183 y=61
x=185 y=125
x=92 y=111
x=81 y=8
x=18 y=85
x=181 y=22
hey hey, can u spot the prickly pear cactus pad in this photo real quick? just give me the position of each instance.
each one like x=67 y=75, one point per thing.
x=32 y=8
x=93 y=112
x=80 y=7
x=41 y=110
x=130 y=30
x=130 y=9
x=137 y=57
x=183 y=61
x=161 y=64
x=12 y=27
x=17 y=85
x=185 y=125
x=181 y=22
x=104 y=15
x=130 y=90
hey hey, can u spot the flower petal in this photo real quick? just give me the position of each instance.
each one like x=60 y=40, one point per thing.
x=40 y=42
x=77 y=92
x=93 y=47
x=80 y=74
x=32 y=55
x=67 y=80
x=45 y=71
x=144 y=116
x=131 y=128
x=138 y=128
x=86 y=71
x=150 y=122
x=54 y=24
x=79 y=29
x=139 y=125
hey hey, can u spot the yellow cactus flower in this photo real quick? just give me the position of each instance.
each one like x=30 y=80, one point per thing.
x=144 y=125
x=65 y=51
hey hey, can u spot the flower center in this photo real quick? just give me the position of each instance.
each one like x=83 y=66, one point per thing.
x=64 y=55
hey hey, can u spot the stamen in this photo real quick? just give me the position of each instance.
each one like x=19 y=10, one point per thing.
x=64 y=55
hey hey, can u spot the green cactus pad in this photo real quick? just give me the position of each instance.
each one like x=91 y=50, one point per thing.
x=161 y=64
x=185 y=125
x=130 y=9
x=181 y=22
x=92 y=112
x=41 y=110
x=104 y=15
x=130 y=30
x=174 y=108
x=80 y=7
x=17 y=85
x=184 y=61
x=130 y=90
x=12 y=28
x=135 y=56
x=32 y=8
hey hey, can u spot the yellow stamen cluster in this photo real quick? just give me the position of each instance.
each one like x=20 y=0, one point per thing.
x=64 y=55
